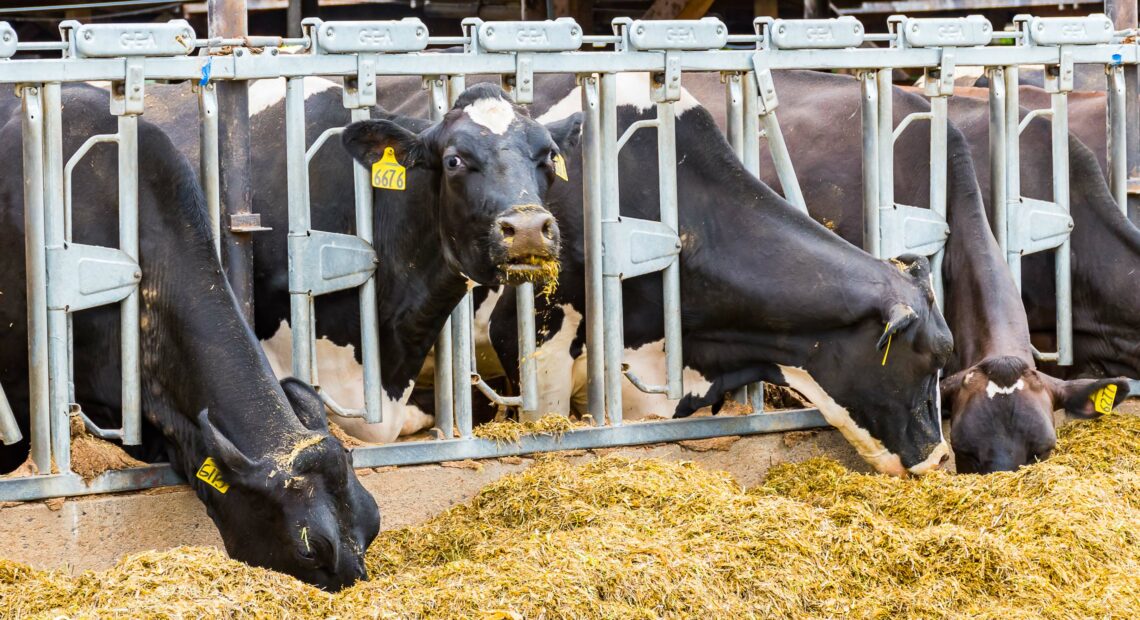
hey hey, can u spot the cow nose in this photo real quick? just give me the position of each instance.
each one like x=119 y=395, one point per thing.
x=528 y=231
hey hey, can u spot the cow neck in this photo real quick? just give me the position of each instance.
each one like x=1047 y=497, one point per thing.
x=198 y=351
x=984 y=309
x=1106 y=263
x=416 y=287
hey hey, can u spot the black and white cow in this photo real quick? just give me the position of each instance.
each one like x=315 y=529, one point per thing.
x=767 y=294
x=290 y=499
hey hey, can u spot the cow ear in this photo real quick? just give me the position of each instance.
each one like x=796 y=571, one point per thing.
x=307 y=404
x=950 y=386
x=1086 y=398
x=567 y=133
x=221 y=448
x=367 y=141
x=899 y=317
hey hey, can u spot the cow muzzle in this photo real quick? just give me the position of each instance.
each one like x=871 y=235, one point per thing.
x=529 y=237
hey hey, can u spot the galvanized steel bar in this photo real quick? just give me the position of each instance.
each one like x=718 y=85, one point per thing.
x=671 y=276
x=528 y=363
x=461 y=364
x=297 y=178
x=1062 y=267
x=1116 y=121
x=35 y=255
x=613 y=316
x=9 y=429
x=734 y=104
x=592 y=141
x=369 y=313
x=130 y=346
x=998 y=164
x=751 y=125
x=209 y=165
x=938 y=182
x=871 y=178
x=886 y=148
x=782 y=160
x=1012 y=198
x=59 y=352
x=439 y=103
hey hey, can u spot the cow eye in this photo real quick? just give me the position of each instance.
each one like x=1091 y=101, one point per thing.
x=453 y=162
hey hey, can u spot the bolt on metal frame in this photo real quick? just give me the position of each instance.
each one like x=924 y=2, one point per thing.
x=127 y=54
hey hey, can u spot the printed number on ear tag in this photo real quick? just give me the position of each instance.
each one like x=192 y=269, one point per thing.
x=387 y=173
x=210 y=474
x=560 y=168
x=1104 y=398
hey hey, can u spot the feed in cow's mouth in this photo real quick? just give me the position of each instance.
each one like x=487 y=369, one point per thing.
x=536 y=269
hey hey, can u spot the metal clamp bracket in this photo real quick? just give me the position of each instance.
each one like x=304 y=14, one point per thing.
x=911 y=230
x=560 y=35
x=666 y=85
x=799 y=34
x=1089 y=30
x=1059 y=77
x=634 y=247
x=324 y=262
x=174 y=38
x=368 y=37
x=128 y=97
x=970 y=31
x=707 y=33
x=1036 y=226
x=8 y=40
x=360 y=90
x=766 y=99
x=87 y=276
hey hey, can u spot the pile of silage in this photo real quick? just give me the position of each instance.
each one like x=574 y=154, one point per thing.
x=509 y=431
x=620 y=538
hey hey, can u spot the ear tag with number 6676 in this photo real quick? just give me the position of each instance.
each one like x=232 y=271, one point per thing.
x=387 y=173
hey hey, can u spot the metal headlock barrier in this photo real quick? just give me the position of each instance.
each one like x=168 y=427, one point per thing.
x=64 y=277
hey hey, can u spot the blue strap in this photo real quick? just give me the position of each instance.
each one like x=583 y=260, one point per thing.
x=206 y=71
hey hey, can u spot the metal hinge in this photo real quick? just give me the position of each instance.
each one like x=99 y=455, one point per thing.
x=633 y=247
x=911 y=230
x=246 y=223
x=324 y=262
x=1037 y=225
x=87 y=276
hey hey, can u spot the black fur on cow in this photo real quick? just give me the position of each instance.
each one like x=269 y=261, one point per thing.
x=293 y=502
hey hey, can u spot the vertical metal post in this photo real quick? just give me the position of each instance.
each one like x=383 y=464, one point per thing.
x=1116 y=120
x=1124 y=17
x=129 y=307
x=297 y=178
x=35 y=256
x=886 y=147
x=209 y=167
x=461 y=329
x=751 y=125
x=59 y=354
x=1012 y=198
x=528 y=365
x=227 y=19
x=613 y=318
x=938 y=181
x=671 y=276
x=734 y=100
x=443 y=382
x=369 y=317
x=870 y=112
x=592 y=227
x=1062 y=272
x=998 y=153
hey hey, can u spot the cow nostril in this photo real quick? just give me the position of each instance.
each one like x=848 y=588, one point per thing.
x=548 y=229
x=945 y=457
x=507 y=229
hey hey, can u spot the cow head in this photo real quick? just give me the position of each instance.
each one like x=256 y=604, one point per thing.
x=1003 y=412
x=301 y=511
x=883 y=395
x=490 y=166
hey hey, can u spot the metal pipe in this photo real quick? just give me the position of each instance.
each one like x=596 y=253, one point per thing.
x=528 y=364
x=59 y=354
x=208 y=164
x=1032 y=114
x=998 y=162
x=129 y=309
x=870 y=112
x=1012 y=197
x=325 y=135
x=297 y=179
x=228 y=19
x=1062 y=272
x=751 y=124
x=592 y=229
x=783 y=161
x=69 y=168
x=939 y=116
x=886 y=146
x=9 y=429
x=671 y=276
x=444 y=412
x=1116 y=120
x=461 y=364
x=734 y=102
x=613 y=317
x=632 y=129
x=492 y=395
x=908 y=119
x=35 y=255
x=369 y=313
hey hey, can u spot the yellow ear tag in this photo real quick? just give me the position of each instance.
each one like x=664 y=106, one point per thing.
x=1104 y=398
x=560 y=167
x=387 y=173
x=209 y=474
x=887 y=349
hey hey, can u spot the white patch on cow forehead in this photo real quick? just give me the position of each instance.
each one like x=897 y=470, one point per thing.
x=633 y=90
x=343 y=379
x=872 y=450
x=993 y=389
x=264 y=94
x=491 y=112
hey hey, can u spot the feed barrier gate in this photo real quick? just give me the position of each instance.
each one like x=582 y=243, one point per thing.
x=65 y=277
